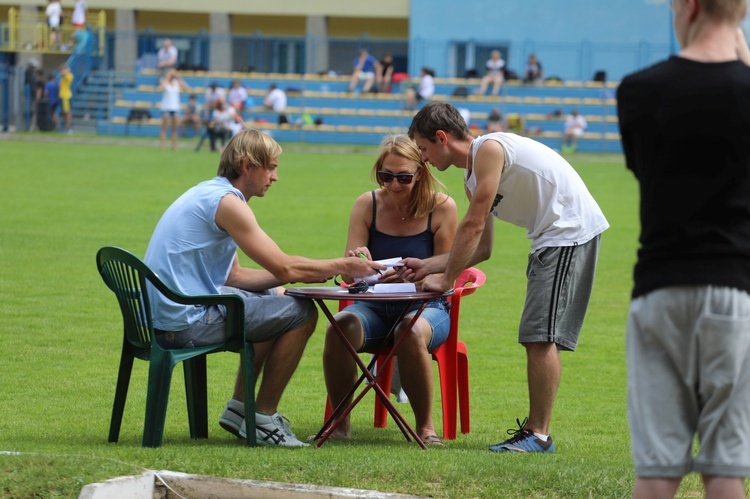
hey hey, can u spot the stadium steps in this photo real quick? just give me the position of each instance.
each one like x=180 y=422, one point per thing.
x=363 y=118
x=92 y=102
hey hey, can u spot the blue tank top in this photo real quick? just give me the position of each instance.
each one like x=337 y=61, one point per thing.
x=190 y=252
x=384 y=246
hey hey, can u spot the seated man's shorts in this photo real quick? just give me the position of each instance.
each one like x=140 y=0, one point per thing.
x=268 y=315
x=378 y=318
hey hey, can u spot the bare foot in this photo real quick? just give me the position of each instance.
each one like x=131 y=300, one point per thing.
x=432 y=440
x=336 y=435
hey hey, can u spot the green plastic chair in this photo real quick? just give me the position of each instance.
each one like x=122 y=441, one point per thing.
x=126 y=275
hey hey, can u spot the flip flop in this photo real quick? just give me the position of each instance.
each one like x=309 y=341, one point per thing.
x=432 y=441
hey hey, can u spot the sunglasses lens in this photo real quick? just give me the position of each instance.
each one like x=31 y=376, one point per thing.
x=385 y=177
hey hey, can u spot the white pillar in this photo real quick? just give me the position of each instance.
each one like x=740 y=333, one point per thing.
x=220 y=43
x=126 y=40
x=316 y=44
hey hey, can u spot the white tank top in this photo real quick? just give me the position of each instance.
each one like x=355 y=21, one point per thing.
x=541 y=192
x=170 y=100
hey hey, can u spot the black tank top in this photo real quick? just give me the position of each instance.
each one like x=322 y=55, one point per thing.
x=384 y=246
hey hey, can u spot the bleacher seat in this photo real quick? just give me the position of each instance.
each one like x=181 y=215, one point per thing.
x=364 y=118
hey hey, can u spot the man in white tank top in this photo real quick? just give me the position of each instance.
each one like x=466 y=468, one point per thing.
x=526 y=183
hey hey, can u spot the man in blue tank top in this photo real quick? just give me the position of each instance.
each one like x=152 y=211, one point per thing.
x=194 y=251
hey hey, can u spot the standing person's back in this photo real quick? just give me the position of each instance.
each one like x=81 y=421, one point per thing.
x=685 y=126
x=692 y=163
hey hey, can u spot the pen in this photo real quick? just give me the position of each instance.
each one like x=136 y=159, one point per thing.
x=362 y=255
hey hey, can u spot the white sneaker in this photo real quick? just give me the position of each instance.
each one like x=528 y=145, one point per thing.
x=273 y=430
x=232 y=421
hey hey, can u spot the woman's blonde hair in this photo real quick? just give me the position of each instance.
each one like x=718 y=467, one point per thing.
x=252 y=145
x=423 y=194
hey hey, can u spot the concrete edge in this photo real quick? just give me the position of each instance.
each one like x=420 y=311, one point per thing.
x=153 y=484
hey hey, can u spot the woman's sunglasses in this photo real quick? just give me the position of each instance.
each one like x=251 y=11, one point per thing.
x=387 y=177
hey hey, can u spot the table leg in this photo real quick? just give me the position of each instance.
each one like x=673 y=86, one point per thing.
x=340 y=412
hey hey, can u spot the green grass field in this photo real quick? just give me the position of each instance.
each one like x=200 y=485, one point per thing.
x=60 y=336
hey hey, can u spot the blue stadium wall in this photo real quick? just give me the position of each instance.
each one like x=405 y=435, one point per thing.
x=572 y=38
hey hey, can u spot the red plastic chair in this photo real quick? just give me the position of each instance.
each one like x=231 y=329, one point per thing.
x=452 y=360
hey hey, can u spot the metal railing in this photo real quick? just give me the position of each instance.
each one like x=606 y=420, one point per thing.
x=29 y=32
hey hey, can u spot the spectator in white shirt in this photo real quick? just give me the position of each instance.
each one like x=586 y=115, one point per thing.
x=276 y=100
x=237 y=96
x=78 y=19
x=575 y=125
x=166 y=57
x=424 y=91
x=213 y=94
x=224 y=124
x=54 y=15
x=495 y=73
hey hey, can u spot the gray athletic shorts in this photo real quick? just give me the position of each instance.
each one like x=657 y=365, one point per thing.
x=688 y=351
x=268 y=315
x=559 y=285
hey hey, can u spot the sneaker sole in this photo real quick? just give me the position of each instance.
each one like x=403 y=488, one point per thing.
x=230 y=427
x=518 y=450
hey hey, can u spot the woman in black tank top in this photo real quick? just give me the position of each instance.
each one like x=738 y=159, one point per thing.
x=408 y=216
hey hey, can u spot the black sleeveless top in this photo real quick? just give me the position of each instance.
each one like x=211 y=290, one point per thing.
x=384 y=246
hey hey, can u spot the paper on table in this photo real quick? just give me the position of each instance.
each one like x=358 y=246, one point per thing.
x=395 y=287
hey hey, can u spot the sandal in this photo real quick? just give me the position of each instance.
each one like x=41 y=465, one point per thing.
x=432 y=441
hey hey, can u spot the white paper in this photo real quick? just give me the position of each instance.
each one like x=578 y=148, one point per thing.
x=395 y=287
x=391 y=262
x=388 y=262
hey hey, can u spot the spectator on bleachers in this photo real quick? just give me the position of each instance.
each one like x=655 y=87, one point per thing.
x=237 y=96
x=386 y=73
x=276 y=101
x=514 y=123
x=193 y=115
x=170 y=85
x=533 y=72
x=424 y=91
x=575 y=125
x=495 y=121
x=495 y=73
x=53 y=13
x=223 y=125
x=78 y=18
x=213 y=94
x=166 y=57
x=365 y=68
